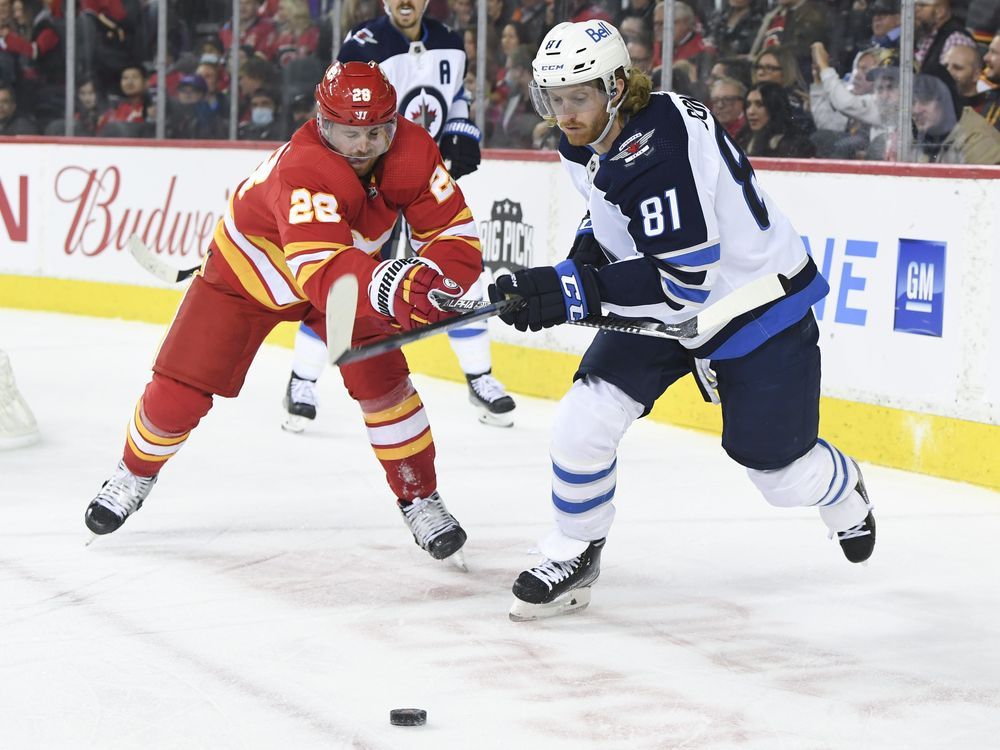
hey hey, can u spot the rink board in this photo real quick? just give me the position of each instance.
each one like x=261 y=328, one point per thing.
x=911 y=359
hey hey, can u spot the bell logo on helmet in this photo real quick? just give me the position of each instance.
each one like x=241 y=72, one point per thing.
x=601 y=32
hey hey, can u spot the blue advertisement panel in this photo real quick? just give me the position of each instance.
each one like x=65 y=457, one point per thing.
x=920 y=287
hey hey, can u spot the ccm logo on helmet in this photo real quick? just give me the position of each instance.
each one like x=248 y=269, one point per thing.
x=601 y=32
x=552 y=67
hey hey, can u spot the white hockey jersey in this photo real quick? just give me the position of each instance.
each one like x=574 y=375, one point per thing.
x=428 y=75
x=678 y=210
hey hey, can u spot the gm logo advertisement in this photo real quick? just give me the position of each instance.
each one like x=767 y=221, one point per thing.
x=920 y=287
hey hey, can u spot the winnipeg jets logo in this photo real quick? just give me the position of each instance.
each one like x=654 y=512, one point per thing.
x=363 y=37
x=426 y=107
x=634 y=147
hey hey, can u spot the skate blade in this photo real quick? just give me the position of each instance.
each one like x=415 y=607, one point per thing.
x=457 y=559
x=495 y=420
x=295 y=424
x=91 y=540
x=575 y=600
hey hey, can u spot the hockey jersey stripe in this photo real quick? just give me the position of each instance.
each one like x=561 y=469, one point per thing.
x=277 y=257
x=399 y=432
x=574 y=477
x=246 y=270
x=839 y=471
x=703 y=257
x=576 y=507
x=280 y=291
x=394 y=413
x=151 y=437
x=685 y=293
x=405 y=451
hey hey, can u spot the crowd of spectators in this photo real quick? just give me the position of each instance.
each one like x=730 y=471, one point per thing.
x=796 y=78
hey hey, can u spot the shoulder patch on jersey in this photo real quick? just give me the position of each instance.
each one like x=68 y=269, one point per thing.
x=634 y=146
x=363 y=36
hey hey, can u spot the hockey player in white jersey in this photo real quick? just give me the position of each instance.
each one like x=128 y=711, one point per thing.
x=678 y=223
x=425 y=61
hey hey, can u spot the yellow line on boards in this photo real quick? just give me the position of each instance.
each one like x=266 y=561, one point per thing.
x=940 y=446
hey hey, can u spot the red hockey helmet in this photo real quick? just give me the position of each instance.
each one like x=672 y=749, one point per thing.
x=357 y=109
x=356 y=93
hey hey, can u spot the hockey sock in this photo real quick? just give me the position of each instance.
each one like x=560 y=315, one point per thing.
x=401 y=438
x=471 y=344
x=310 y=356
x=161 y=423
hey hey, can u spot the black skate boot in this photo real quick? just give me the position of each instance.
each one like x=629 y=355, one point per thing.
x=434 y=529
x=300 y=403
x=858 y=541
x=554 y=587
x=120 y=497
x=487 y=394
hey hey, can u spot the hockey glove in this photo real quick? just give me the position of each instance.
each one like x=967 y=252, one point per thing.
x=460 y=147
x=586 y=249
x=399 y=290
x=554 y=295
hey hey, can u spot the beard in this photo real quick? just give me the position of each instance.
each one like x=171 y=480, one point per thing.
x=581 y=134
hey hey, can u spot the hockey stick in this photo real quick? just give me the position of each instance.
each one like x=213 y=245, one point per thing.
x=152 y=263
x=748 y=297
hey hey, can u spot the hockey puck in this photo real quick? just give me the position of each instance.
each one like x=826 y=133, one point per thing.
x=407 y=717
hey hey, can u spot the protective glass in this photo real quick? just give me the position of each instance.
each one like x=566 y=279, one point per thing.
x=357 y=141
x=560 y=101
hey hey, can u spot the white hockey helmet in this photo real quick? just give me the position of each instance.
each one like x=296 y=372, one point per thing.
x=575 y=53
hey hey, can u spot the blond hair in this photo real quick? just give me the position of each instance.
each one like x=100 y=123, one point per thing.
x=638 y=88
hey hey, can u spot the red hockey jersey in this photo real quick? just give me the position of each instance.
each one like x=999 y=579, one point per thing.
x=303 y=218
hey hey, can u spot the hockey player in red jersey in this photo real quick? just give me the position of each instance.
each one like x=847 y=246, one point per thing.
x=317 y=208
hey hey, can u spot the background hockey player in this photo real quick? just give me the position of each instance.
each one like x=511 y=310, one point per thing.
x=675 y=207
x=294 y=226
x=425 y=62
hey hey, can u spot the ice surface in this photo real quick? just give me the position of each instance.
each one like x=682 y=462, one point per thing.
x=269 y=596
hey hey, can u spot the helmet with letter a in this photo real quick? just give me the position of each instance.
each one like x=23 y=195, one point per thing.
x=572 y=54
x=356 y=109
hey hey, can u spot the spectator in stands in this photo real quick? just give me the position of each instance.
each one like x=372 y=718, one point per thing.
x=733 y=28
x=297 y=35
x=355 y=12
x=90 y=105
x=12 y=123
x=263 y=124
x=104 y=46
x=947 y=133
x=256 y=31
x=189 y=115
x=884 y=144
x=461 y=15
x=302 y=109
x=965 y=66
x=215 y=99
x=939 y=31
x=844 y=113
x=770 y=131
x=778 y=65
x=579 y=11
x=497 y=16
x=530 y=15
x=983 y=20
x=990 y=109
x=731 y=67
x=35 y=43
x=133 y=109
x=794 y=25
x=885 y=24
x=640 y=51
x=256 y=74
x=727 y=102
x=511 y=38
x=633 y=27
x=514 y=124
x=689 y=44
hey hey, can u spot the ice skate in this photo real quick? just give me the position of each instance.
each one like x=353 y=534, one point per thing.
x=434 y=529
x=487 y=394
x=299 y=403
x=858 y=539
x=120 y=497
x=554 y=588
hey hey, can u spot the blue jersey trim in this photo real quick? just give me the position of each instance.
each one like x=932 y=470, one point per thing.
x=704 y=257
x=303 y=328
x=569 y=507
x=572 y=477
x=682 y=292
x=784 y=313
x=467 y=333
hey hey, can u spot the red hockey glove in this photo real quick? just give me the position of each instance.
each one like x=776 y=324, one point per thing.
x=399 y=290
